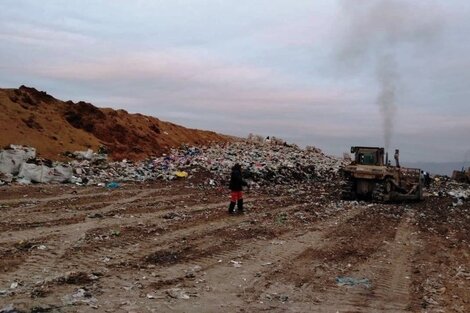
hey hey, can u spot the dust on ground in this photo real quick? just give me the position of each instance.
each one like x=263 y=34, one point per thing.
x=172 y=247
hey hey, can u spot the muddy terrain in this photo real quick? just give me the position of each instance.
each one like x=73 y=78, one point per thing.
x=172 y=247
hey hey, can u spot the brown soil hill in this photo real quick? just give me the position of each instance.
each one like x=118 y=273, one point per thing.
x=32 y=117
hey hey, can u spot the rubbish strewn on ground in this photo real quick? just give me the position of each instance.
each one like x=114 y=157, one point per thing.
x=262 y=162
x=80 y=296
x=352 y=281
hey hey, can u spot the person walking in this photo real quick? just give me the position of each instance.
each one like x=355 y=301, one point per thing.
x=236 y=188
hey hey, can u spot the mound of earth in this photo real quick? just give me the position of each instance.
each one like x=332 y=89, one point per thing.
x=34 y=118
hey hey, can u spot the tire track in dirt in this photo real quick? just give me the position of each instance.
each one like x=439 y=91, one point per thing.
x=197 y=231
x=393 y=292
x=49 y=263
x=258 y=258
x=64 y=197
x=88 y=223
x=51 y=205
x=389 y=271
x=49 y=211
x=54 y=257
x=264 y=293
x=132 y=271
x=85 y=262
x=43 y=260
x=46 y=220
x=208 y=260
x=29 y=234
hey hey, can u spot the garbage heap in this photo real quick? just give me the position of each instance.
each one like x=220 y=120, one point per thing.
x=262 y=162
x=21 y=165
x=443 y=186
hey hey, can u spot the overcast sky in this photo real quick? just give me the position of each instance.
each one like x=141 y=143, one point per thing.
x=325 y=73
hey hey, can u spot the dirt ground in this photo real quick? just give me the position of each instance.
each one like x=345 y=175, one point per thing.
x=172 y=247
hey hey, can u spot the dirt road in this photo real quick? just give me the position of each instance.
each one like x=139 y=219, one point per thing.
x=171 y=247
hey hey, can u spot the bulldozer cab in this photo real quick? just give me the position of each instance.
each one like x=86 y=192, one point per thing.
x=462 y=176
x=368 y=155
x=369 y=176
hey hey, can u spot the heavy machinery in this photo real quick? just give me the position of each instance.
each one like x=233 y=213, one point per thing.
x=462 y=176
x=370 y=177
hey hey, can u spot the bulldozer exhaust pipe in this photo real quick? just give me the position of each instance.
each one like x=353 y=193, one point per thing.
x=386 y=158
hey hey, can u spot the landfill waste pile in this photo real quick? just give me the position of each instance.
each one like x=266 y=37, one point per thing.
x=443 y=186
x=19 y=163
x=262 y=162
x=106 y=242
x=11 y=160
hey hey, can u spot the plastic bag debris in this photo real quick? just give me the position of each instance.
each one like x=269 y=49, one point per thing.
x=12 y=158
x=351 y=281
x=44 y=174
x=112 y=185
x=181 y=174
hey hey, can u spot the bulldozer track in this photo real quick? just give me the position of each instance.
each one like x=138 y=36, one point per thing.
x=283 y=255
x=63 y=258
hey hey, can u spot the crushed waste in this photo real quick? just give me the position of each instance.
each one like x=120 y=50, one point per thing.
x=262 y=162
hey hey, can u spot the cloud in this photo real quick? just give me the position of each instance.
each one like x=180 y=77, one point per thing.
x=258 y=66
x=194 y=81
x=172 y=64
x=31 y=34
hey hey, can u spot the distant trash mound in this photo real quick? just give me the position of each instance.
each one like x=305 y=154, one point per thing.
x=262 y=163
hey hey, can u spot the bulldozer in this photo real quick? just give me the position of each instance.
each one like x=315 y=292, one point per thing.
x=462 y=176
x=370 y=177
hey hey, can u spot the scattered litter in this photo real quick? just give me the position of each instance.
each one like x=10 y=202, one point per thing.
x=9 y=309
x=181 y=174
x=112 y=185
x=42 y=247
x=95 y=215
x=461 y=272
x=87 y=155
x=23 y=181
x=351 y=281
x=275 y=296
x=173 y=216
x=12 y=157
x=45 y=173
x=14 y=285
x=80 y=296
x=93 y=276
x=430 y=300
x=177 y=293
x=236 y=263
x=191 y=273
